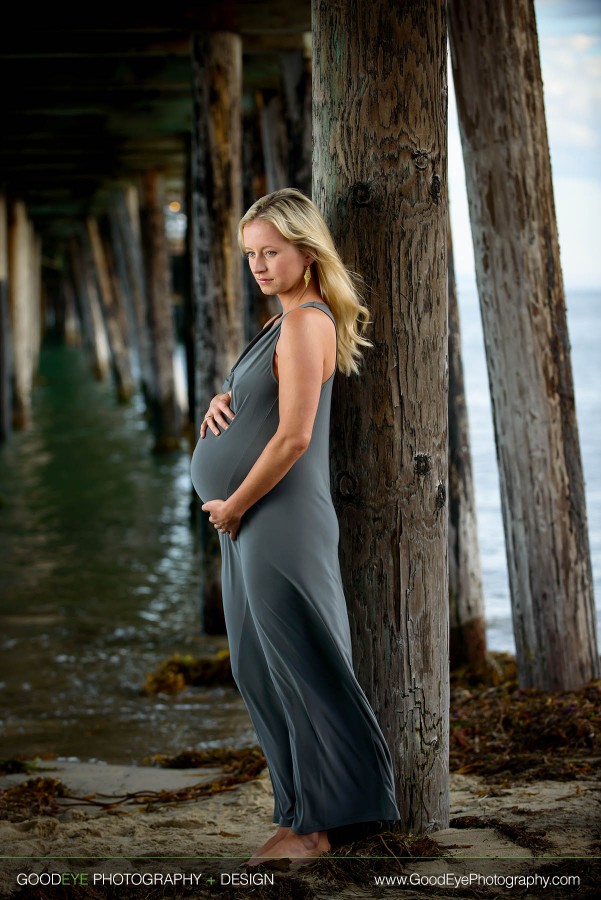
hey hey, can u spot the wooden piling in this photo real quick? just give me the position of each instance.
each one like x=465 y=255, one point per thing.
x=71 y=326
x=5 y=335
x=274 y=140
x=500 y=104
x=258 y=307
x=165 y=410
x=188 y=310
x=215 y=211
x=126 y=215
x=24 y=300
x=380 y=178
x=113 y=312
x=296 y=79
x=39 y=307
x=88 y=304
x=467 y=625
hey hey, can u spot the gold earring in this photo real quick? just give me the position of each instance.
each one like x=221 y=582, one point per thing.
x=307 y=276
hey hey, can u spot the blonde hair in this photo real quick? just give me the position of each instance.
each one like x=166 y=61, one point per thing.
x=299 y=221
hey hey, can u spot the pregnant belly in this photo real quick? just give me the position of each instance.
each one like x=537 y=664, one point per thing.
x=213 y=463
x=220 y=464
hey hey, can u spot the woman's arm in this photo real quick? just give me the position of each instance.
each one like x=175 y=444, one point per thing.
x=302 y=350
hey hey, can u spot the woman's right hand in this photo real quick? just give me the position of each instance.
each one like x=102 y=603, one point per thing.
x=219 y=409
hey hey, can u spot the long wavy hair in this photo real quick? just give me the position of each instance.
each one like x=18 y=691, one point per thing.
x=299 y=221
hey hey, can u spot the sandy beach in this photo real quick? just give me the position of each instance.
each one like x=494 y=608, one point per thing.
x=502 y=840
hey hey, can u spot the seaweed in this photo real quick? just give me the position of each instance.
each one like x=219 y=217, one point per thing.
x=40 y=796
x=179 y=672
x=247 y=762
x=15 y=766
x=497 y=729
x=505 y=732
x=358 y=861
x=34 y=797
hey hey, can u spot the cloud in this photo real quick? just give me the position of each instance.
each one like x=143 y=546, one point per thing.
x=571 y=68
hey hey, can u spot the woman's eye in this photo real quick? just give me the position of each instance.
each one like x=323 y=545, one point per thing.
x=270 y=253
x=249 y=255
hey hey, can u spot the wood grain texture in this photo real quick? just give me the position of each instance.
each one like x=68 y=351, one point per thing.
x=380 y=178
x=216 y=201
x=217 y=296
x=497 y=75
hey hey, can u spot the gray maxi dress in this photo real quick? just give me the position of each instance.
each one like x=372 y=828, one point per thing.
x=286 y=614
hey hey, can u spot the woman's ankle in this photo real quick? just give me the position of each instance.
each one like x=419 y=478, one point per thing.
x=313 y=839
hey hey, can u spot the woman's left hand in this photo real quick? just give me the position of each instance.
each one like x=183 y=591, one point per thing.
x=222 y=517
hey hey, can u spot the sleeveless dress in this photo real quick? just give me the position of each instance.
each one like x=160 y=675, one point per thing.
x=286 y=615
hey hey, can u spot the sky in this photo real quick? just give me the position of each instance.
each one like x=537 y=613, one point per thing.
x=569 y=34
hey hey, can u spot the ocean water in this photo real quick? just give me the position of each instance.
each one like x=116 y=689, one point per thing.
x=584 y=325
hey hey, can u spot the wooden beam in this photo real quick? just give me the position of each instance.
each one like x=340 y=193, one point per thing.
x=239 y=16
x=54 y=44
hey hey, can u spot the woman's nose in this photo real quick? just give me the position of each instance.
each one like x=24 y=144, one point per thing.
x=259 y=264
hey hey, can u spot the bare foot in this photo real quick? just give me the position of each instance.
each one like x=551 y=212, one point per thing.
x=296 y=846
x=258 y=856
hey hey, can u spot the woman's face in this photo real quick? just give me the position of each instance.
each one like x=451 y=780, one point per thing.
x=277 y=265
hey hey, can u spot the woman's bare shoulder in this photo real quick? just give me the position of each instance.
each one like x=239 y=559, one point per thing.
x=306 y=319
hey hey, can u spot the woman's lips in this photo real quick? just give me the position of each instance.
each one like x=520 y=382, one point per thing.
x=265 y=280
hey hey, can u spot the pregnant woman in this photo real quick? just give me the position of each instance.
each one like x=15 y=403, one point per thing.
x=261 y=468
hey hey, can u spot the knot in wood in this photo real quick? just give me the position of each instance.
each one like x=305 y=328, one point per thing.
x=441 y=496
x=423 y=463
x=361 y=194
x=346 y=485
x=435 y=188
x=421 y=159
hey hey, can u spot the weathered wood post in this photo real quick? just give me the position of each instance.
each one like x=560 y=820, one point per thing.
x=467 y=625
x=274 y=140
x=88 y=303
x=37 y=298
x=5 y=336
x=380 y=177
x=165 y=410
x=215 y=211
x=188 y=310
x=126 y=213
x=24 y=300
x=117 y=252
x=296 y=79
x=71 y=326
x=286 y=125
x=257 y=307
x=113 y=312
x=498 y=84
